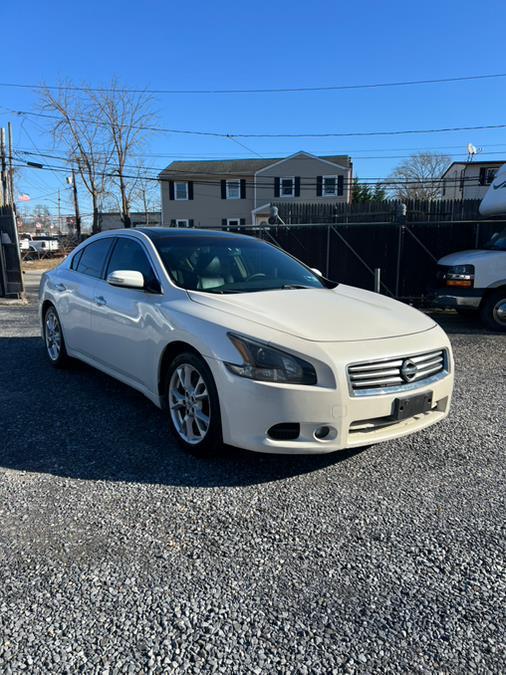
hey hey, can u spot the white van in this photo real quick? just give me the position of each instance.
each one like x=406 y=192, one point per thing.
x=472 y=281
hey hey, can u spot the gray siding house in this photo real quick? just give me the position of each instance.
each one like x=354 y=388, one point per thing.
x=468 y=180
x=240 y=191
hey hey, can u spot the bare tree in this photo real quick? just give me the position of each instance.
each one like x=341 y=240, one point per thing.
x=85 y=140
x=419 y=177
x=127 y=118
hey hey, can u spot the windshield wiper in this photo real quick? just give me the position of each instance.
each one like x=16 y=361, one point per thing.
x=295 y=286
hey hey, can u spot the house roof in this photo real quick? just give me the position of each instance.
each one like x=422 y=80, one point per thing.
x=242 y=167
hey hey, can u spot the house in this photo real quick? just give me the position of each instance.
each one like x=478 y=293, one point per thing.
x=468 y=180
x=112 y=219
x=240 y=191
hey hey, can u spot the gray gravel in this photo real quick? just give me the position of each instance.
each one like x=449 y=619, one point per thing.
x=121 y=553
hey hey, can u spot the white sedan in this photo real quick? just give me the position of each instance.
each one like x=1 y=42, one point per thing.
x=244 y=344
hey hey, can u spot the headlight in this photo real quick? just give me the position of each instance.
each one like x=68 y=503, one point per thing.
x=265 y=363
x=460 y=275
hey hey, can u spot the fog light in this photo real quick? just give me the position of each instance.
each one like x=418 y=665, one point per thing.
x=322 y=432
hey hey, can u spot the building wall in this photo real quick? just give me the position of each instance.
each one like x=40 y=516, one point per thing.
x=472 y=188
x=307 y=168
x=207 y=208
x=112 y=221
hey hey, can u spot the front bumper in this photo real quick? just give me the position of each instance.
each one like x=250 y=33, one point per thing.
x=250 y=408
x=453 y=298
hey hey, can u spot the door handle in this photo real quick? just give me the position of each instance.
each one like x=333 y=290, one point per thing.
x=100 y=300
x=60 y=287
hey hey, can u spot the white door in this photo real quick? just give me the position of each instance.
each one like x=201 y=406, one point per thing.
x=125 y=320
x=75 y=293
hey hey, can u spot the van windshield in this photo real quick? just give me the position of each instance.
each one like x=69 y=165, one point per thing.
x=497 y=242
x=216 y=264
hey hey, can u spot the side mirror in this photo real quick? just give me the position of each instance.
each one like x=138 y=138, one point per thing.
x=126 y=278
x=316 y=271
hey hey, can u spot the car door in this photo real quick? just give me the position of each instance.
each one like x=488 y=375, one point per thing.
x=75 y=291
x=125 y=321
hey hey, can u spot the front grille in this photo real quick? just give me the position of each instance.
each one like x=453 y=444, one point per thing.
x=402 y=372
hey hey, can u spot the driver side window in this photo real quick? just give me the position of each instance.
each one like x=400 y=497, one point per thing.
x=129 y=255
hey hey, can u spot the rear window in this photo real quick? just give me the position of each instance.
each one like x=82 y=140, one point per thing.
x=92 y=259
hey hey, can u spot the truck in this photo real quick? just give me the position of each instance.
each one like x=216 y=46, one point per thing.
x=474 y=282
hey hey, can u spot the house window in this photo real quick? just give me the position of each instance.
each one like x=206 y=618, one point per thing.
x=329 y=186
x=287 y=187
x=233 y=189
x=182 y=222
x=487 y=175
x=233 y=222
x=180 y=190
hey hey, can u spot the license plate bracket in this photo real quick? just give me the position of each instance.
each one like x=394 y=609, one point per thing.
x=409 y=406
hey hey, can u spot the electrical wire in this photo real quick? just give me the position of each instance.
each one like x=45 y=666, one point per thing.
x=216 y=134
x=267 y=90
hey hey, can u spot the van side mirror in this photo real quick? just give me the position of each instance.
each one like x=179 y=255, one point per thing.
x=316 y=271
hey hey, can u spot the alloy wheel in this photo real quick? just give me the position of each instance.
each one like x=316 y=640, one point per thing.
x=53 y=335
x=189 y=404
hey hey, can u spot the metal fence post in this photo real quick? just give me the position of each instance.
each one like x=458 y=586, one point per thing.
x=377 y=279
x=401 y=219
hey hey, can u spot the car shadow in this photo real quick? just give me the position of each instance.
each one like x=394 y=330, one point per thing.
x=81 y=423
x=454 y=324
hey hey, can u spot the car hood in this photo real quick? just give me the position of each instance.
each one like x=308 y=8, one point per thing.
x=470 y=257
x=322 y=315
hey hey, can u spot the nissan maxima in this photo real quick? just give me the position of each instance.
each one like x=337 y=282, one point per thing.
x=243 y=344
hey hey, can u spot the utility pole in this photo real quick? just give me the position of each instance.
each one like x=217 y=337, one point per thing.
x=59 y=213
x=11 y=168
x=76 y=205
x=5 y=191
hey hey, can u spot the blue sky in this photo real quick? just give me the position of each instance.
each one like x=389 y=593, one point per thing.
x=223 y=44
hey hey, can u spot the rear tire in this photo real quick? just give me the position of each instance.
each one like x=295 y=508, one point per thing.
x=193 y=404
x=53 y=339
x=493 y=311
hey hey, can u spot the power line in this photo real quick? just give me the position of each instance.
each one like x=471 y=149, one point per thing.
x=235 y=135
x=309 y=181
x=273 y=90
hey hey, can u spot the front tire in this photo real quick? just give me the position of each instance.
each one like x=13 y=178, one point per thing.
x=493 y=311
x=193 y=404
x=53 y=339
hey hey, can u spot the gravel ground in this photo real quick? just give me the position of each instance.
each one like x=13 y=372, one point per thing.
x=121 y=553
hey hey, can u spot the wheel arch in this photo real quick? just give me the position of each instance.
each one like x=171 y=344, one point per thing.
x=492 y=290
x=170 y=352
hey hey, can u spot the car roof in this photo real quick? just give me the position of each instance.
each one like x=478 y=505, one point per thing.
x=157 y=233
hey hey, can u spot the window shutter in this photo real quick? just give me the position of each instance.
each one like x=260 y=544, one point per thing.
x=340 y=185
x=243 y=188
x=319 y=183
x=242 y=221
x=190 y=222
x=276 y=186
x=297 y=186
x=171 y=189
x=483 y=176
x=190 y=189
x=224 y=222
x=223 y=189
x=173 y=223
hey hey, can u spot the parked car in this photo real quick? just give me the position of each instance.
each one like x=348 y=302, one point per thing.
x=242 y=343
x=475 y=281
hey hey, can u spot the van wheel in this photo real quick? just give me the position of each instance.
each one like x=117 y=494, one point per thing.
x=493 y=311
x=53 y=339
x=193 y=404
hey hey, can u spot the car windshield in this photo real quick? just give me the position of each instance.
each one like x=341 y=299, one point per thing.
x=217 y=264
x=497 y=242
